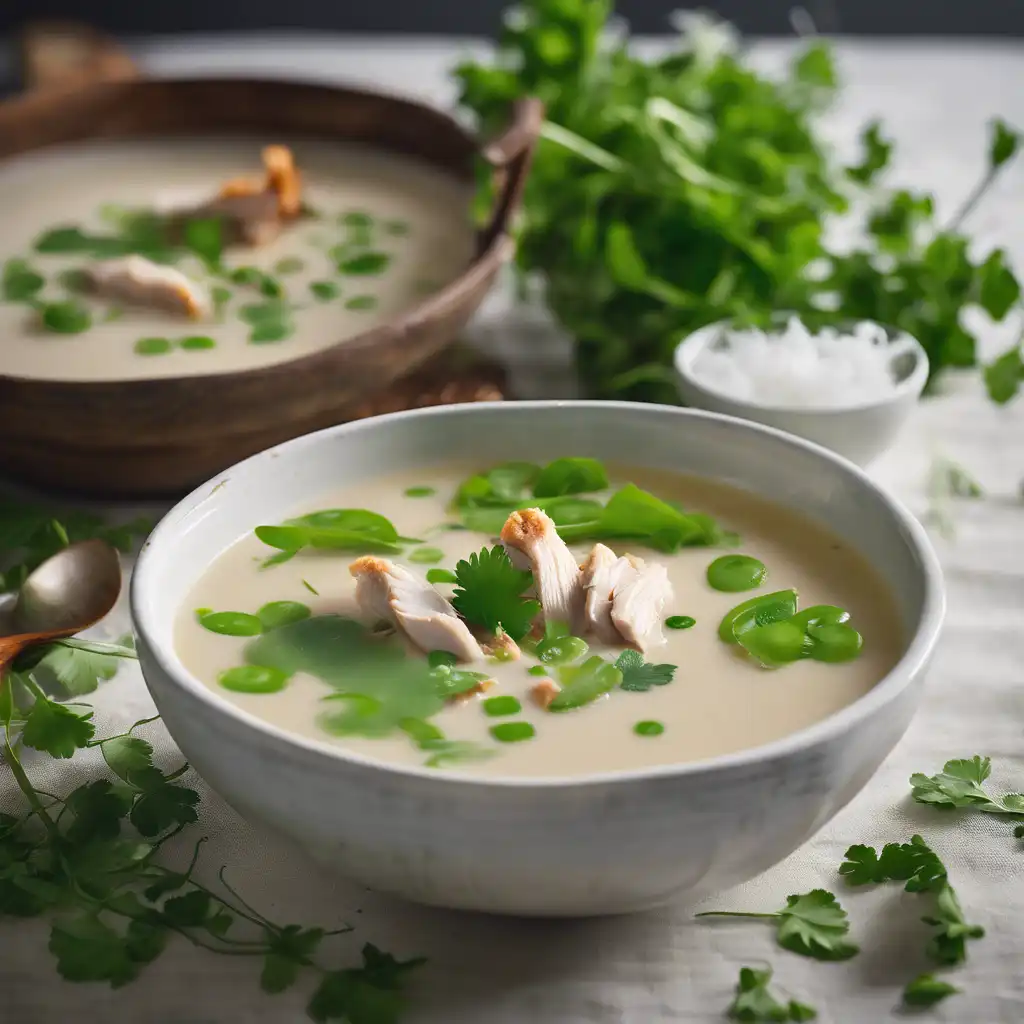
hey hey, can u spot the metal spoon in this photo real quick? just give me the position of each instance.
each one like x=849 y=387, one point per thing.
x=69 y=592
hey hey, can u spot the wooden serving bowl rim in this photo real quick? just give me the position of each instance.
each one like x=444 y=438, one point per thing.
x=509 y=155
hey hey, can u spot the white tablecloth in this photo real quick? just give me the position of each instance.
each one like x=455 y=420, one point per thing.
x=664 y=966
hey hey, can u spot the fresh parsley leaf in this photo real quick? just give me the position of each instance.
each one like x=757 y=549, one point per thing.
x=812 y=924
x=371 y=994
x=960 y=785
x=74 y=671
x=755 y=1003
x=20 y=283
x=489 y=593
x=877 y=154
x=56 y=729
x=927 y=990
x=999 y=288
x=1004 y=145
x=1004 y=376
x=98 y=809
x=638 y=675
x=164 y=806
x=89 y=950
x=188 y=911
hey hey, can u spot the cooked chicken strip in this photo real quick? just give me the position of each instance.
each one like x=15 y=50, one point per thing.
x=142 y=282
x=388 y=591
x=597 y=581
x=639 y=595
x=556 y=575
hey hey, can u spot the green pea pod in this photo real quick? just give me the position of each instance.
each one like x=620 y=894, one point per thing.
x=833 y=642
x=821 y=614
x=758 y=611
x=775 y=643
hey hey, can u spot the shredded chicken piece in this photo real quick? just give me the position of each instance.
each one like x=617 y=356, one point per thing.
x=482 y=687
x=388 y=591
x=532 y=534
x=640 y=592
x=544 y=691
x=501 y=644
x=256 y=209
x=598 y=580
x=142 y=282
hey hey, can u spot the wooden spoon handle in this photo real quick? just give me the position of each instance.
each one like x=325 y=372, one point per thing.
x=10 y=648
x=510 y=155
x=67 y=53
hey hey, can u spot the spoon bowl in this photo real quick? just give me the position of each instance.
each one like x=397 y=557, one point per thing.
x=69 y=592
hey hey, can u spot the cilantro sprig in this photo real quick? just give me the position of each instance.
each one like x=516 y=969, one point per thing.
x=754 y=1002
x=489 y=593
x=812 y=924
x=960 y=785
x=639 y=675
x=920 y=869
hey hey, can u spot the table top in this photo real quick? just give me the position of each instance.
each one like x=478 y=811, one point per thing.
x=664 y=966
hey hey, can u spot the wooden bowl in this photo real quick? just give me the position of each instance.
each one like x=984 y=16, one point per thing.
x=144 y=438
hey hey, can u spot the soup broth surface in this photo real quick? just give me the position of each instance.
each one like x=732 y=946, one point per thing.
x=717 y=702
x=412 y=220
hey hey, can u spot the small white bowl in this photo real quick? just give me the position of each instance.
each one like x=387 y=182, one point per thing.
x=566 y=846
x=860 y=431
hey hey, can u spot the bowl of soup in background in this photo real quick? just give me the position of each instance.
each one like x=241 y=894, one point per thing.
x=142 y=405
x=512 y=838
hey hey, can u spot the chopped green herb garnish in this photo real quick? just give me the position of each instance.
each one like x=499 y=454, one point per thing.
x=638 y=675
x=426 y=556
x=757 y=611
x=559 y=646
x=441 y=576
x=250 y=276
x=221 y=297
x=268 y=333
x=270 y=288
x=497 y=707
x=355 y=219
x=570 y=476
x=366 y=264
x=732 y=573
x=20 y=282
x=289 y=265
x=309 y=586
x=197 y=343
x=583 y=684
x=361 y=302
x=66 y=317
x=648 y=728
x=513 y=732
x=324 y=291
x=343 y=529
x=253 y=679
x=205 y=237
x=813 y=925
x=489 y=593
x=230 y=623
x=420 y=492
x=755 y=1004
x=538 y=670
x=680 y=621
x=153 y=346
x=927 y=990
x=436 y=659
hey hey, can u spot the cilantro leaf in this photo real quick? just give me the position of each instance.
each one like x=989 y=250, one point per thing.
x=862 y=866
x=753 y=1001
x=812 y=924
x=960 y=785
x=1004 y=145
x=56 y=729
x=927 y=990
x=570 y=476
x=371 y=994
x=999 y=288
x=164 y=806
x=74 y=671
x=815 y=925
x=639 y=676
x=877 y=153
x=98 y=809
x=289 y=949
x=1004 y=376
x=489 y=593
x=188 y=911
x=949 y=943
x=89 y=950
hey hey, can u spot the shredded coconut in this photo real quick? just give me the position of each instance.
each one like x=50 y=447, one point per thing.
x=793 y=368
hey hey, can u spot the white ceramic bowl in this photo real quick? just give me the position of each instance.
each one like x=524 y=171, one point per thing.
x=616 y=842
x=860 y=431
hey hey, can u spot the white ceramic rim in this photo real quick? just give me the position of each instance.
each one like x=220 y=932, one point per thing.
x=691 y=346
x=888 y=688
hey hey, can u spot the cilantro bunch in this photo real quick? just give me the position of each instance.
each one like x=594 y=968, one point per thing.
x=670 y=194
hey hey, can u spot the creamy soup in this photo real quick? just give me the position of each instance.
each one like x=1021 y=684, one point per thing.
x=376 y=235
x=279 y=631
